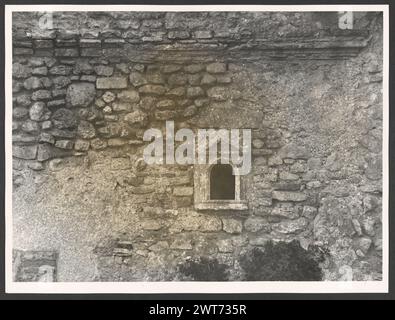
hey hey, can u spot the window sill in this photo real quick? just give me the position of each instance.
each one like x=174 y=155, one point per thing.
x=217 y=205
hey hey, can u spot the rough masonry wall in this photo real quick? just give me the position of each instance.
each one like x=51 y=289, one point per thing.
x=84 y=92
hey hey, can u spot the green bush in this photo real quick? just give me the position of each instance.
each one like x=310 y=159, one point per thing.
x=283 y=262
x=204 y=269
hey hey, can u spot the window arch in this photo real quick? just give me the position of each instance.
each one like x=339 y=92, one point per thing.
x=216 y=188
x=222 y=182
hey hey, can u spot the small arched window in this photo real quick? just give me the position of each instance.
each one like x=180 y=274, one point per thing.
x=222 y=182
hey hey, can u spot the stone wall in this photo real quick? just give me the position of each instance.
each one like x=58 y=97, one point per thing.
x=85 y=92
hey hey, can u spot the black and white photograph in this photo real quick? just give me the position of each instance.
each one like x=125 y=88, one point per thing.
x=196 y=149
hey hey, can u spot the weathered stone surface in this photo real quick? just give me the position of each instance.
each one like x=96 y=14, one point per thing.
x=33 y=83
x=255 y=224
x=86 y=130
x=18 y=112
x=183 y=191
x=207 y=79
x=81 y=145
x=363 y=244
x=288 y=176
x=190 y=111
x=108 y=97
x=194 y=68
x=217 y=67
x=150 y=225
x=21 y=71
x=166 y=104
x=98 y=144
x=176 y=35
x=193 y=221
x=285 y=210
x=129 y=95
x=294 y=151
x=289 y=196
x=309 y=212
x=218 y=93
x=38 y=112
x=181 y=244
x=80 y=94
x=137 y=79
x=225 y=246
x=232 y=225
x=136 y=118
x=177 y=79
x=64 y=144
x=47 y=138
x=41 y=95
x=292 y=226
x=203 y=34
x=47 y=151
x=24 y=152
x=64 y=118
x=104 y=70
x=152 y=89
x=111 y=83
x=30 y=126
x=194 y=92
x=23 y=100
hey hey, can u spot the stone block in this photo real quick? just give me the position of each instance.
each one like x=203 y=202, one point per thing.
x=111 y=83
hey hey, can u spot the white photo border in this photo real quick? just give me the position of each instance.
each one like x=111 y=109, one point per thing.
x=194 y=286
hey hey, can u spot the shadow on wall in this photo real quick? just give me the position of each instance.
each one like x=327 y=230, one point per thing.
x=279 y=261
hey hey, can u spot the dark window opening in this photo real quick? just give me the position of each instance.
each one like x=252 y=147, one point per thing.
x=222 y=182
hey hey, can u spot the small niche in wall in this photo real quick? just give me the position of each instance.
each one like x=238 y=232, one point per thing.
x=217 y=188
x=222 y=182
